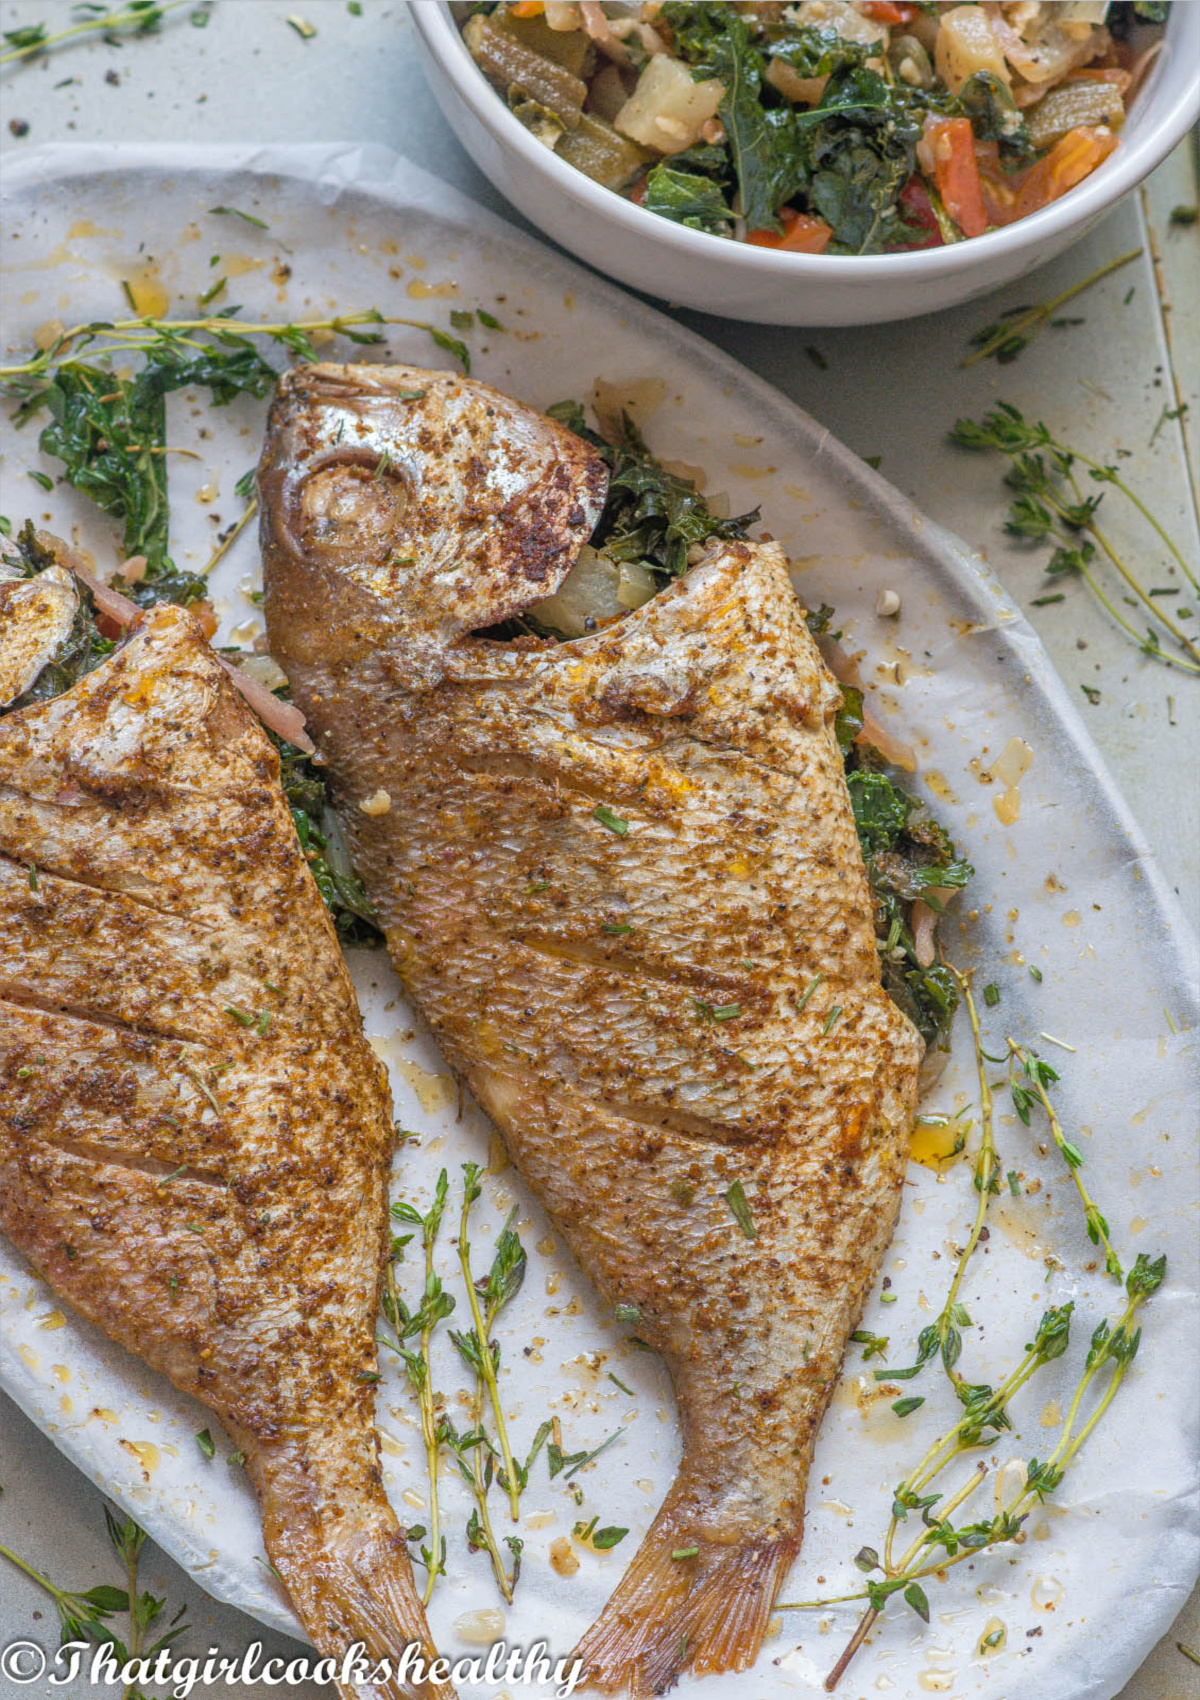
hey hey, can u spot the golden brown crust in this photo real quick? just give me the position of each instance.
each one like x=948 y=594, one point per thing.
x=621 y=878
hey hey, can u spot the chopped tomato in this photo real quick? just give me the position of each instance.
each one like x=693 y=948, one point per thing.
x=918 y=212
x=801 y=234
x=885 y=12
x=950 y=145
x=637 y=193
x=1069 y=161
x=108 y=627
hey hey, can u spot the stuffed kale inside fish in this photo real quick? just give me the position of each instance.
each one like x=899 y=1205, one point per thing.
x=621 y=879
x=195 y=1137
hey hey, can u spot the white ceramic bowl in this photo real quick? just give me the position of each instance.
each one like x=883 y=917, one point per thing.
x=743 y=282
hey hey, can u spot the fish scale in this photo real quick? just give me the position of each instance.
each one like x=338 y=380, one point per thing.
x=677 y=769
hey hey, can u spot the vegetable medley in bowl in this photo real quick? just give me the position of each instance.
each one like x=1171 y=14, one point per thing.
x=828 y=126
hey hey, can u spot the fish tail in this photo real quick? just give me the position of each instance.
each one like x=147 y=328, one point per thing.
x=685 y=1604
x=346 y=1568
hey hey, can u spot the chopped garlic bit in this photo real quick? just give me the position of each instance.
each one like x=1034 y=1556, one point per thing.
x=378 y=803
x=887 y=604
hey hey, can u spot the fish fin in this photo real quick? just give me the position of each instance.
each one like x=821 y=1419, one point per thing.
x=703 y=1614
x=363 y=1592
x=337 y=1547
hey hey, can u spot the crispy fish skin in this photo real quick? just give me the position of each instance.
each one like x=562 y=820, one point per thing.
x=621 y=879
x=195 y=1137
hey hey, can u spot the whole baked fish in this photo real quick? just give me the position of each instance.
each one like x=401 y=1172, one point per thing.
x=195 y=1137
x=621 y=879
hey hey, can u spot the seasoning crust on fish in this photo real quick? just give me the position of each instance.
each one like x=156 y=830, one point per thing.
x=195 y=1137
x=621 y=879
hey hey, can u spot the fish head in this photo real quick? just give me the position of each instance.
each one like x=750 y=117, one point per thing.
x=410 y=507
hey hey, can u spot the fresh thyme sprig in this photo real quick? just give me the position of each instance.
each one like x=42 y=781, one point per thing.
x=944 y=1335
x=941 y=1544
x=150 y=335
x=1016 y=329
x=475 y=1451
x=84 y=1614
x=501 y=1283
x=419 y=1324
x=139 y=17
x=943 y=1338
x=1050 y=505
x=1036 y=1076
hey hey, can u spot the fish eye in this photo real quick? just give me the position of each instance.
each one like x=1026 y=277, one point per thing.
x=351 y=507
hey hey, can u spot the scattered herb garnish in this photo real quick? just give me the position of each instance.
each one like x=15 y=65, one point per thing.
x=419 y=1324
x=940 y=1543
x=1030 y=1078
x=607 y=817
x=876 y=1344
x=573 y=1462
x=1049 y=505
x=236 y=212
x=1016 y=329
x=487 y=1296
x=605 y=1539
x=83 y=1616
x=138 y=17
x=735 y=1197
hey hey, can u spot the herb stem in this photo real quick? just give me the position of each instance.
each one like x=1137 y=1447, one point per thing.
x=865 y=1624
x=136 y=335
x=487 y=1364
x=428 y=1418
x=479 y=1479
x=987 y=1169
x=132 y=1550
x=139 y=18
x=1106 y=602
x=1097 y=1225
x=1143 y=596
x=57 y=1594
x=1028 y=324
x=231 y=537
x=1126 y=490
x=419 y=1365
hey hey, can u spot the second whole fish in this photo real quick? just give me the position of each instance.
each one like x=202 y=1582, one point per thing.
x=620 y=878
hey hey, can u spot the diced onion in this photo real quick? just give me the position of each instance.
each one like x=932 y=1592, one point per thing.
x=283 y=718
